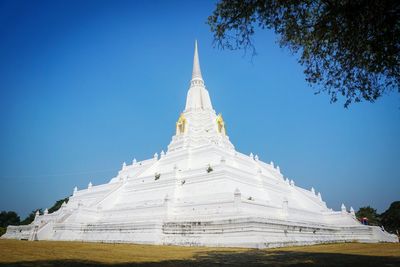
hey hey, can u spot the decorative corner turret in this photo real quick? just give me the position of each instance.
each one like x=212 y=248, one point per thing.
x=278 y=169
x=352 y=212
x=343 y=208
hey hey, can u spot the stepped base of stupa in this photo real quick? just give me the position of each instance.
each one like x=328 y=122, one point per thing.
x=201 y=192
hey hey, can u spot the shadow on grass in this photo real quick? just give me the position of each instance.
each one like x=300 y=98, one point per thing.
x=248 y=258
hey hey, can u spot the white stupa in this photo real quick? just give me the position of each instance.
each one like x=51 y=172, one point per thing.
x=201 y=191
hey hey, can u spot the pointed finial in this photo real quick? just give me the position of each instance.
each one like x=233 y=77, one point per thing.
x=352 y=211
x=343 y=207
x=46 y=211
x=196 y=73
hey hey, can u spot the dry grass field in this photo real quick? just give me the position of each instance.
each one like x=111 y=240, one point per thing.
x=52 y=253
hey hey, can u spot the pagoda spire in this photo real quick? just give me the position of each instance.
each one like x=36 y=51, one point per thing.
x=198 y=97
x=196 y=74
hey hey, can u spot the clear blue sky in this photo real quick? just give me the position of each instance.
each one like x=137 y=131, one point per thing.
x=86 y=85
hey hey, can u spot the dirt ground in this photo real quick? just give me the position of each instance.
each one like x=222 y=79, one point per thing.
x=56 y=253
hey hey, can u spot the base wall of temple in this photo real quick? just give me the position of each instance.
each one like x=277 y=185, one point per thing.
x=240 y=232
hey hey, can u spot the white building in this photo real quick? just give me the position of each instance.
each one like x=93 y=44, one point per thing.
x=201 y=191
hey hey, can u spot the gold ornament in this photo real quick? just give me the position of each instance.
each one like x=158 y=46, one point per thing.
x=181 y=124
x=221 y=124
